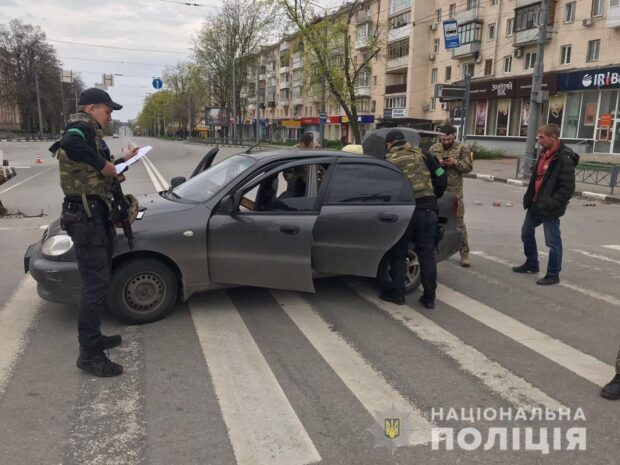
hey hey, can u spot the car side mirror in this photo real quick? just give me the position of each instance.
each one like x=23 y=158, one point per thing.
x=229 y=204
x=177 y=181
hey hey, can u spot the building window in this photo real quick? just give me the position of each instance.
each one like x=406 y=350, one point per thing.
x=508 y=64
x=530 y=60
x=374 y=80
x=396 y=102
x=488 y=67
x=436 y=46
x=373 y=106
x=433 y=104
x=398 y=49
x=597 y=8
x=468 y=69
x=493 y=2
x=526 y=18
x=510 y=27
x=594 y=47
x=448 y=73
x=400 y=20
x=492 y=31
x=452 y=10
x=569 y=12
x=438 y=15
x=470 y=32
x=399 y=5
x=434 y=75
x=565 y=54
x=472 y=4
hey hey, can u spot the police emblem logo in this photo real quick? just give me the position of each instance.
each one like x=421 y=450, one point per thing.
x=392 y=428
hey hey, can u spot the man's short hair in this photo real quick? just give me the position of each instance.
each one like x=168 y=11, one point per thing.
x=393 y=136
x=550 y=130
x=447 y=129
x=307 y=138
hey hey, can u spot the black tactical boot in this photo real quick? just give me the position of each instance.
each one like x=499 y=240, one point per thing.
x=526 y=268
x=548 y=280
x=611 y=391
x=392 y=297
x=427 y=301
x=109 y=342
x=96 y=363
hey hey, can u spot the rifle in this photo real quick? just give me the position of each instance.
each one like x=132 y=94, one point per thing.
x=120 y=210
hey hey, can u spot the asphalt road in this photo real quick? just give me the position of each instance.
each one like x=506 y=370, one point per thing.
x=253 y=376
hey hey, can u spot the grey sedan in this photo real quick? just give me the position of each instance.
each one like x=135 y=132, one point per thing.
x=273 y=219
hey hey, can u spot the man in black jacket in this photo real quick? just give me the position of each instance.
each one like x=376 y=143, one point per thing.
x=551 y=186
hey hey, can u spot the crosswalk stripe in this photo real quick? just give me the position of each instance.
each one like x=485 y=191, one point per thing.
x=263 y=426
x=494 y=376
x=597 y=256
x=582 y=364
x=612 y=247
x=369 y=386
x=582 y=290
x=16 y=318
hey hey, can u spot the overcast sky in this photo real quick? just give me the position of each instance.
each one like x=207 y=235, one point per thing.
x=138 y=24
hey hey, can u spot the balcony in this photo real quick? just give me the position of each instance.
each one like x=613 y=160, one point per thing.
x=271 y=104
x=261 y=77
x=466 y=50
x=298 y=62
x=397 y=7
x=397 y=63
x=524 y=3
x=362 y=16
x=469 y=16
x=298 y=101
x=613 y=16
x=284 y=69
x=284 y=101
x=399 y=33
x=396 y=89
x=362 y=42
x=362 y=91
x=284 y=46
x=284 y=85
x=530 y=36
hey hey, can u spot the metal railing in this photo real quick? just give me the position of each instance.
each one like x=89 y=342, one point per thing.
x=585 y=173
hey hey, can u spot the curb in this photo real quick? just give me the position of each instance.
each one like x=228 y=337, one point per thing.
x=516 y=182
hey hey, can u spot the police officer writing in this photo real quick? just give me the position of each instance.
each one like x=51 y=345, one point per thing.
x=87 y=177
x=456 y=158
x=429 y=181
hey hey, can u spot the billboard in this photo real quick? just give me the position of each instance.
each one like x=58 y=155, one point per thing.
x=217 y=116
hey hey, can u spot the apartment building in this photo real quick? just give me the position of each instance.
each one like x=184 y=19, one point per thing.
x=497 y=49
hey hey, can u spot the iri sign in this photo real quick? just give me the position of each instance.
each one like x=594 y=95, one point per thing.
x=591 y=79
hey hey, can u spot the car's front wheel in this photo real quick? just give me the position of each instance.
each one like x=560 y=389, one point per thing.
x=412 y=278
x=142 y=290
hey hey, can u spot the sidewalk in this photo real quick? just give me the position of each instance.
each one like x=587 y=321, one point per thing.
x=504 y=170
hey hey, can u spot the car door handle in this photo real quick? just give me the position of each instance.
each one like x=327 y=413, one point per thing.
x=288 y=229
x=388 y=218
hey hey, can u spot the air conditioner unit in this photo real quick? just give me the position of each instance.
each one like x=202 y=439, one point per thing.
x=518 y=53
x=434 y=27
x=425 y=107
x=587 y=22
x=444 y=106
x=431 y=57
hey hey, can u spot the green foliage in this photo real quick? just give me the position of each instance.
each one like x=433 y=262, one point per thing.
x=481 y=153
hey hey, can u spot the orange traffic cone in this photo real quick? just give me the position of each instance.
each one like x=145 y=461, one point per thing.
x=38 y=161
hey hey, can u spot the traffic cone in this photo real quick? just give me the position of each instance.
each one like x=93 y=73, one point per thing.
x=38 y=161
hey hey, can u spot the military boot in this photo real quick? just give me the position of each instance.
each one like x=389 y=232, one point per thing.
x=96 y=362
x=109 y=342
x=611 y=390
x=465 y=260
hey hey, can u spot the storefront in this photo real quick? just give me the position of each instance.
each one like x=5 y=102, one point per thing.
x=588 y=106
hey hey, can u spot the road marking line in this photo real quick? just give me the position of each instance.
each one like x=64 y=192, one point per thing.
x=16 y=317
x=161 y=179
x=582 y=290
x=154 y=180
x=107 y=425
x=493 y=375
x=597 y=256
x=584 y=365
x=25 y=180
x=612 y=247
x=369 y=386
x=263 y=426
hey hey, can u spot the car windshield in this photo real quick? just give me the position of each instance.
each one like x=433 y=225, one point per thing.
x=208 y=183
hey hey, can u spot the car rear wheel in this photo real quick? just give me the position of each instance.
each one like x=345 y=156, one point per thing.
x=142 y=291
x=412 y=278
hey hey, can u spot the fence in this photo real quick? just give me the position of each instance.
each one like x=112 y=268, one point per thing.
x=586 y=173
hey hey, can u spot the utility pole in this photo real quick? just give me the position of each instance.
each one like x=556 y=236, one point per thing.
x=257 y=104
x=536 y=97
x=463 y=137
x=322 y=114
x=62 y=99
x=234 y=97
x=36 y=84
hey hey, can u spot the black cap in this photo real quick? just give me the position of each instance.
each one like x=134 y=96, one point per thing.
x=93 y=96
x=394 y=135
x=447 y=129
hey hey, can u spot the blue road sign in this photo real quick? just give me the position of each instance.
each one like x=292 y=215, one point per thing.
x=451 y=34
x=157 y=83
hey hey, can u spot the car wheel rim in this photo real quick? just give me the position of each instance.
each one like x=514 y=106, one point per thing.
x=413 y=269
x=144 y=292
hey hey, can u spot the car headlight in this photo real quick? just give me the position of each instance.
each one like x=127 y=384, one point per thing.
x=57 y=245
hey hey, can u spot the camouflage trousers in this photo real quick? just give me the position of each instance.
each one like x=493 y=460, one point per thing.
x=460 y=225
x=618 y=363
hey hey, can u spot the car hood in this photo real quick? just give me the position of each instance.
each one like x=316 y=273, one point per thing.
x=155 y=204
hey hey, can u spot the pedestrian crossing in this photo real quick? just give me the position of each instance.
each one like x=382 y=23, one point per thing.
x=261 y=417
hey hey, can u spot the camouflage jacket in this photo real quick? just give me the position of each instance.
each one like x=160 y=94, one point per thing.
x=463 y=163
x=411 y=162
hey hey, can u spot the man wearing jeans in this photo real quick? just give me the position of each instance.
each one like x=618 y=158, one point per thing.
x=551 y=186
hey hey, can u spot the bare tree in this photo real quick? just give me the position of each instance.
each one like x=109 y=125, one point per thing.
x=189 y=95
x=333 y=50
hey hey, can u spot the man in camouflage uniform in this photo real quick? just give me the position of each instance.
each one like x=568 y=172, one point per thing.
x=86 y=176
x=420 y=169
x=457 y=159
x=611 y=390
x=306 y=142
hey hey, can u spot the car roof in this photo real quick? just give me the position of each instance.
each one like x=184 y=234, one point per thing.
x=270 y=155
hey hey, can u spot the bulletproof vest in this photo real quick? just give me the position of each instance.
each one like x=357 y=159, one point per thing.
x=410 y=160
x=79 y=178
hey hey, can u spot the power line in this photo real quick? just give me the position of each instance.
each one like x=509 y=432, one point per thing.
x=113 y=61
x=190 y=4
x=116 y=48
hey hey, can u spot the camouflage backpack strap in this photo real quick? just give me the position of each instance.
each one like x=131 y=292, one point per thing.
x=80 y=133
